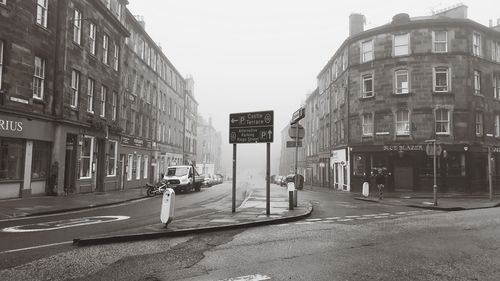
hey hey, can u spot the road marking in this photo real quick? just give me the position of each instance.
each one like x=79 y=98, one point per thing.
x=36 y=247
x=345 y=220
x=313 y=219
x=352 y=217
x=363 y=218
x=371 y=215
x=45 y=226
x=307 y=222
x=255 y=277
x=334 y=218
x=401 y=213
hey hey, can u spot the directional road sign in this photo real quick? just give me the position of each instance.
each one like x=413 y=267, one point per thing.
x=251 y=127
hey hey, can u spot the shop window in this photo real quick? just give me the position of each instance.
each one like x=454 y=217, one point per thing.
x=11 y=159
x=86 y=157
x=130 y=167
x=40 y=161
x=359 y=165
x=112 y=158
x=138 y=165
x=377 y=161
x=456 y=163
x=427 y=167
x=146 y=165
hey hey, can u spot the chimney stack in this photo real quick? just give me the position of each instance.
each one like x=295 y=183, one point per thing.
x=356 y=24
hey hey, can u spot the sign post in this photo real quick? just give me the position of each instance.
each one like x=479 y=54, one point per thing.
x=296 y=117
x=252 y=127
x=433 y=150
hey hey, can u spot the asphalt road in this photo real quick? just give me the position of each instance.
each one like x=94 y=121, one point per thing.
x=20 y=247
x=345 y=239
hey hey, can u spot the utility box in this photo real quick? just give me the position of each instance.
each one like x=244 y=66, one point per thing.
x=167 y=206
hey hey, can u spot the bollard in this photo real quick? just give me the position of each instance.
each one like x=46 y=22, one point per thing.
x=291 y=191
x=167 y=206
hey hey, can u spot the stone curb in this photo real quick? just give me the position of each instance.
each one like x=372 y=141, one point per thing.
x=449 y=209
x=183 y=232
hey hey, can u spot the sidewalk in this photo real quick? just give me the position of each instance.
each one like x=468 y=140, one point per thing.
x=446 y=202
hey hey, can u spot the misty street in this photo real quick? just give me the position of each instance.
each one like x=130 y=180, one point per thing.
x=231 y=140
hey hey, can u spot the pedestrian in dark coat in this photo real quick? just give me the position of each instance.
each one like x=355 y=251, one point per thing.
x=380 y=181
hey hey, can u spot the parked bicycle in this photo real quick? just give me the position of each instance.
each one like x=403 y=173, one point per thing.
x=158 y=189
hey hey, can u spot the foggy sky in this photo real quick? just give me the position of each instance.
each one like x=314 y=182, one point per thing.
x=265 y=54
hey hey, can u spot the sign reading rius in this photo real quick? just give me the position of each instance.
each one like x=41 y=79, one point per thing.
x=251 y=127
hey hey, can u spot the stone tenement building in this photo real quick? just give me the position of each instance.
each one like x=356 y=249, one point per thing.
x=391 y=89
x=88 y=101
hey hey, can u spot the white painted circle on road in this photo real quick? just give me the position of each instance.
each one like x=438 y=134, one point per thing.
x=53 y=225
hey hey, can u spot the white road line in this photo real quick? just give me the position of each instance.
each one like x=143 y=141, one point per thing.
x=352 y=217
x=255 y=277
x=380 y=217
x=313 y=219
x=282 y=224
x=307 y=222
x=46 y=226
x=333 y=218
x=370 y=215
x=363 y=218
x=401 y=213
x=36 y=247
x=345 y=220
x=383 y=214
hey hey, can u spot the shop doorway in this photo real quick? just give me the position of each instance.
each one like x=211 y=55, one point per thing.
x=70 y=164
x=122 y=171
x=100 y=168
x=403 y=173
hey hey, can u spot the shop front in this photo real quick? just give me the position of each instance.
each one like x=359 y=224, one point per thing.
x=136 y=158
x=340 y=169
x=25 y=153
x=459 y=167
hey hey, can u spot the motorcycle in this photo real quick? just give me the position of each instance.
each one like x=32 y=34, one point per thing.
x=157 y=189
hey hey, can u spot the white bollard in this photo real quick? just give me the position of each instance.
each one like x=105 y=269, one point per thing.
x=366 y=189
x=167 y=206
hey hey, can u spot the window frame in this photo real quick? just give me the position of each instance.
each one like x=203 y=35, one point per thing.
x=395 y=47
x=477 y=82
x=138 y=161
x=104 y=94
x=397 y=90
x=39 y=78
x=112 y=158
x=90 y=95
x=92 y=38
x=435 y=71
x=497 y=125
x=116 y=57
x=74 y=88
x=446 y=121
x=364 y=79
x=403 y=123
x=476 y=44
x=41 y=10
x=130 y=166
x=90 y=157
x=479 y=123
x=105 y=49
x=114 y=106
x=496 y=87
x=1 y=62
x=367 y=55
x=435 y=42
x=367 y=128
x=145 y=166
x=77 y=26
